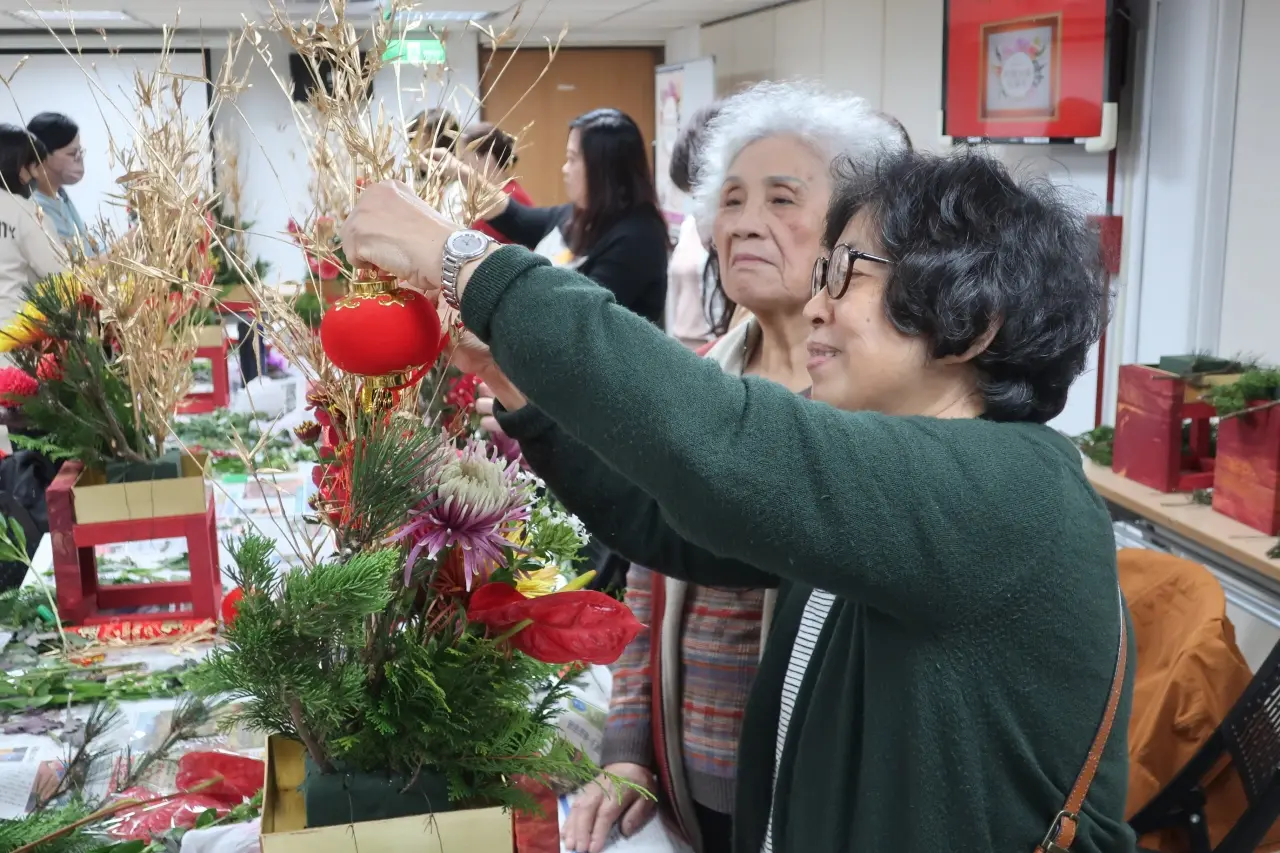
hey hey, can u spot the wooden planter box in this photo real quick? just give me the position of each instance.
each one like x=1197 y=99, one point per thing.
x=85 y=511
x=1246 y=483
x=284 y=820
x=1152 y=407
x=211 y=343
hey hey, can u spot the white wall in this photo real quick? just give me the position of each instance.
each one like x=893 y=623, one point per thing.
x=1251 y=290
x=890 y=52
x=98 y=92
x=273 y=160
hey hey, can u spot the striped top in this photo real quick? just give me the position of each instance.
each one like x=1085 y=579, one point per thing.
x=816 y=610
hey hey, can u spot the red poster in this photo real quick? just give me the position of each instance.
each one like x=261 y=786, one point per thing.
x=1025 y=69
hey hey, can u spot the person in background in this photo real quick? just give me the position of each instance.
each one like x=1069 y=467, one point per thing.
x=491 y=152
x=431 y=129
x=611 y=230
x=63 y=167
x=949 y=654
x=761 y=187
x=438 y=130
x=690 y=262
x=29 y=249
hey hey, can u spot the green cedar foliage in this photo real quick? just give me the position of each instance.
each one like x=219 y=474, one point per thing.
x=341 y=658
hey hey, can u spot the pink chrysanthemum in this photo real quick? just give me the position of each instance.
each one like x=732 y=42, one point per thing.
x=477 y=502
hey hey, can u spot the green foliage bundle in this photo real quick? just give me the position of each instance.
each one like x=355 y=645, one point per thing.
x=1097 y=444
x=84 y=408
x=341 y=658
x=376 y=675
x=1258 y=384
x=308 y=307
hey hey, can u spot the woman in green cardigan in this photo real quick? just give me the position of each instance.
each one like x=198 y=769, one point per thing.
x=949 y=634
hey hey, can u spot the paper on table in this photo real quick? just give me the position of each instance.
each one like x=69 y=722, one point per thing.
x=16 y=782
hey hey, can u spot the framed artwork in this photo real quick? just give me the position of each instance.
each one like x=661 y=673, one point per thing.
x=1030 y=70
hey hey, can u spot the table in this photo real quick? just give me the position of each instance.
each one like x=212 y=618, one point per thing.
x=1238 y=546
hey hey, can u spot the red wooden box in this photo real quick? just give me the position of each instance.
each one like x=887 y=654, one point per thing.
x=1246 y=482
x=75 y=564
x=213 y=345
x=1151 y=409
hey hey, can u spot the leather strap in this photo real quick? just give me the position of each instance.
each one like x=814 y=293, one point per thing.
x=1062 y=832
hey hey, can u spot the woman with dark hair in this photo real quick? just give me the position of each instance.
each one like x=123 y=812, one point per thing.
x=611 y=230
x=63 y=167
x=948 y=665
x=29 y=250
x=491 y=152
x=434 y=128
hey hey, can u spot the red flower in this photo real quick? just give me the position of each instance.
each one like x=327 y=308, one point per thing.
x=48 y=369
x=231 y=605
x=16 y=386
x=206 y=277
x=323 y=268
x=462 y=392
x=308 y=432
x=564 y=627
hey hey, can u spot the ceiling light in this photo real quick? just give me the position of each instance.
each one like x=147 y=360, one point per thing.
x=431 y=16
x=54 y=17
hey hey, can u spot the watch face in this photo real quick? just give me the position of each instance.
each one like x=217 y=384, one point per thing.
x=467 y=244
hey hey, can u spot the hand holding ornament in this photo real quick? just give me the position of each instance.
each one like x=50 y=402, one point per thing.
x=392 y=229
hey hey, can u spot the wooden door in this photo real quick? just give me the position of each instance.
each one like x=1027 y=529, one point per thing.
x=578 y=80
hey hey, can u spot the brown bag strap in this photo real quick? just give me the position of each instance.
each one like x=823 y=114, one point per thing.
x=1063 y=830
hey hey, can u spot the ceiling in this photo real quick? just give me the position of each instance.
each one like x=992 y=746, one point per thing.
x=603 y=21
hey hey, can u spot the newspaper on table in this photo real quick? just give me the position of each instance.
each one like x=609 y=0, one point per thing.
x=30 y=765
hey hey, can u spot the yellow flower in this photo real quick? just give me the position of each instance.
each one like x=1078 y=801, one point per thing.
x=22 y=329
x=539 y=582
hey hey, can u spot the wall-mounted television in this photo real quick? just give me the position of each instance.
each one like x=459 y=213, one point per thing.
x=1032 y=71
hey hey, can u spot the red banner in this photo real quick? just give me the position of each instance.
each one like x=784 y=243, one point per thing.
x=1025 y=69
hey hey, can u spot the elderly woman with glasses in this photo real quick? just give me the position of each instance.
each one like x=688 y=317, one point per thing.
x=947 y=667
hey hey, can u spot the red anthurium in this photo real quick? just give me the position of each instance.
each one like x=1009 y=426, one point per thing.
x=231 y=605
x=564 y=627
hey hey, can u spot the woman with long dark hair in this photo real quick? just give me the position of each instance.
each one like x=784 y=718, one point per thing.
x=29 y=250
x=611 y=230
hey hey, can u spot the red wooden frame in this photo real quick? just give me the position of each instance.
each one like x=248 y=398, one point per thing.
x=1151 y=408
x=75 y=563
x=1246 y=481
x=204 y=402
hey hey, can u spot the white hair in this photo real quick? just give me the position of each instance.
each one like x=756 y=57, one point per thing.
x=834 y=124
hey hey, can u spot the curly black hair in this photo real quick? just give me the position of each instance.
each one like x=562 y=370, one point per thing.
x=971 y=247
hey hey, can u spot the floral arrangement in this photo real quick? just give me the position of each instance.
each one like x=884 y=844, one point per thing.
x=425 y=636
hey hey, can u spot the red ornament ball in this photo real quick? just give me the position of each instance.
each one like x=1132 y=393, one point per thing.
x=382 y=333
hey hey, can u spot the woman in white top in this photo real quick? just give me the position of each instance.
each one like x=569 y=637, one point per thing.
x=29 y=250
x=687 y=273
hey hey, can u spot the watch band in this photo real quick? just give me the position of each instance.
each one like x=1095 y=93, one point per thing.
x=450 y=267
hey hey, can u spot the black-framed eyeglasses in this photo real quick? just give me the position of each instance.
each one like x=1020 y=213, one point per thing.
x=834 y=272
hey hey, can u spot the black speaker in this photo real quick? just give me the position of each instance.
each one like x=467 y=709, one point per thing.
x=305 y=78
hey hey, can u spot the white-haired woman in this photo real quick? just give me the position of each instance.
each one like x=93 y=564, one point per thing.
x=762 y=187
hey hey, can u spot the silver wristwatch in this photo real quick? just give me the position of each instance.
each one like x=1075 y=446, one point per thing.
x=461 y=248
